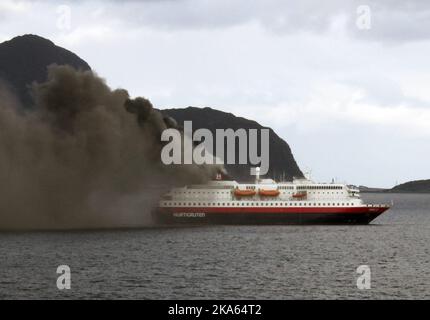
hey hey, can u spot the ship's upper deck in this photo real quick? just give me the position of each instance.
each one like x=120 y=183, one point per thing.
x=266 y=189
x=297 y=184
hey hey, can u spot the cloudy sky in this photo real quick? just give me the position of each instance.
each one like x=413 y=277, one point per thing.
x=343 y=82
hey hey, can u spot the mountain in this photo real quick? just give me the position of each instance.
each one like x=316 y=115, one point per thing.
x=372 y=189
x=24 y=59
x=419 y=186
x=281 y=160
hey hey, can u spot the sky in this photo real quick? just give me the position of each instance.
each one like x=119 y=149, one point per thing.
x=344 y=82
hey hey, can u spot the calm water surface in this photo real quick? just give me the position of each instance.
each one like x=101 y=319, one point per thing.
x=229 y=262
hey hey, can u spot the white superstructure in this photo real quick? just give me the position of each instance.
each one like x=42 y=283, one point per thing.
x=265 y=192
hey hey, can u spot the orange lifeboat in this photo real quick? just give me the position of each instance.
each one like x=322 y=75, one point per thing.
x=299 y=195
x=244 y=193
x=268 y=193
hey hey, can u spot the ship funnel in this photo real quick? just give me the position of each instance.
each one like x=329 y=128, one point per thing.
x=257 y=174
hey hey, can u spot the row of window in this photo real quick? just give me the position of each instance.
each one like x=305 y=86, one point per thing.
x=304 y=188
x=248 y=204
x=201 y=192
x=319 y=187
x=282 y=193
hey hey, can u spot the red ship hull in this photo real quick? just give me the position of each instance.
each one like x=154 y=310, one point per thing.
x=272 y=215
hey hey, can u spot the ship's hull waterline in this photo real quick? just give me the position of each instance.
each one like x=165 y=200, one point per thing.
x=268 y=216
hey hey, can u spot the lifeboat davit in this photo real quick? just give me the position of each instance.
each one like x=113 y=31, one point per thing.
x=268 y=193
x=244 y=193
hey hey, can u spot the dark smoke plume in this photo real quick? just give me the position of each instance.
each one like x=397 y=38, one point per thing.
x=86 y=157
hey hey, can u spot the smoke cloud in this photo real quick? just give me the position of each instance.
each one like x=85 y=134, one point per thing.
x=85 y=157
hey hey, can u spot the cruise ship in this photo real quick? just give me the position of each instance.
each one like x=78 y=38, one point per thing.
x=300 y=201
